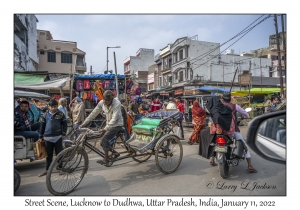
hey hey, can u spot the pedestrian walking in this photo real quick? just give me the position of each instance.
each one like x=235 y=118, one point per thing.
x=199 y=116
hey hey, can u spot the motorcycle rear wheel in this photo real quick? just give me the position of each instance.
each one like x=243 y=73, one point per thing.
x=224 y=169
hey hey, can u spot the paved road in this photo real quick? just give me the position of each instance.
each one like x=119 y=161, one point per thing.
x=195 y=176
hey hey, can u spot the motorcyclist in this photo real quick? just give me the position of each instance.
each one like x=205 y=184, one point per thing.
x=236 y=108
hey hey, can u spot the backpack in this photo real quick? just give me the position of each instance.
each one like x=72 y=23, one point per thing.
x=79 y=85
x=139 y=100
x=106 y=84
x=113 y=85
x=129 y=84
x=86 y=85
x=138 y=91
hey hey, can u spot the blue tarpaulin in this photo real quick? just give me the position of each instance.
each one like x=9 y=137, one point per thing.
x=99 y=76
x=212 y=89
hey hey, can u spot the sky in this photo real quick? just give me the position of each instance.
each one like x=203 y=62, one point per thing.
x=93 y=33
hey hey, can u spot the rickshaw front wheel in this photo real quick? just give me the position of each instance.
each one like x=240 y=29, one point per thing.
x=169 y=154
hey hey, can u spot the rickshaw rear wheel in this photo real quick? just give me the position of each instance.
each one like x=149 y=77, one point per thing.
x=169 y=153
x=67 y=171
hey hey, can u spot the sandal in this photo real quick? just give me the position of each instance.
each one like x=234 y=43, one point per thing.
x=42 y=174
x=251 y=170
x=213 y=163
x=190 y=143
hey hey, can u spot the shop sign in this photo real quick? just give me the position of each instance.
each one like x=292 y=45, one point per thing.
x=163 y=93
x=189 y=90
x=178 y=91
x=245 y=78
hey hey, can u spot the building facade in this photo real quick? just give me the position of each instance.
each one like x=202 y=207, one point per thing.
x=25 y=43
x=137 y=66
x=271 y=53
x=143 y=59
x=59 y=57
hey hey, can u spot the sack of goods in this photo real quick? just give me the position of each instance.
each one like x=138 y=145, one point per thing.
x=40 y=150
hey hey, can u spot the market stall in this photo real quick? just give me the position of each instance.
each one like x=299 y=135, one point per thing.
x=90 y=88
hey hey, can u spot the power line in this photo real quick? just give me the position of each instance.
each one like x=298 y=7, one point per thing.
x=226 y=41
x=234 y=42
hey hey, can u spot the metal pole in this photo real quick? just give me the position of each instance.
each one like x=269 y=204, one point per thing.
x=125 y=95
x=107 y=60
x=233 y=78
x=279 y=57
x=223 y=74
x=116 y=76
x=260 y=72
x=71 y=84
x=284 y=48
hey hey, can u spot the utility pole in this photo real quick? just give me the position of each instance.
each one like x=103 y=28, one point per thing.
x=249 y=80
x=223 y=74
x=260 y=71
x=284 y=47
x=71 y=84
x=233 y=78
x=279 y=57
x=91 y=72
x=116 y=76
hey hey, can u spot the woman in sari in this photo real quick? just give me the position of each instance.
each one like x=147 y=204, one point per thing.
x=222 y=123
x=199 y=116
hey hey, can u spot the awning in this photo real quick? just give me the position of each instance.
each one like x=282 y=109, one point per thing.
x=98 y=76
x=256 y=91
x=212 y=89
x=21 y=93
x=52 y=84
x=21 y=79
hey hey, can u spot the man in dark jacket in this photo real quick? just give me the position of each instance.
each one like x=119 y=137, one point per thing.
x=53 y=129
x=22 y=124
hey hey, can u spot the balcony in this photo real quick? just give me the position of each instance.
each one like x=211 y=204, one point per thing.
x=80 y=66
x=127 y=60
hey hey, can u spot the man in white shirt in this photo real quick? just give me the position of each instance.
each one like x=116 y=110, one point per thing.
x=114 y=122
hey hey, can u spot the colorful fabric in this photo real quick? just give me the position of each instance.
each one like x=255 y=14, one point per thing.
x=198 y=116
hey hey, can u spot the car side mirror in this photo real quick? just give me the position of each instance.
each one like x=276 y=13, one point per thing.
x=267 y=136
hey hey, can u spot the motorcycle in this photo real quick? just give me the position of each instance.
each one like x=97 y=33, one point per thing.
x=228 y=151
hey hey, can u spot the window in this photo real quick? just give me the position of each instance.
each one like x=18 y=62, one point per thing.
x=42 y=52
x=66 y=58
x=52 y=57
x=180 y=55
x=159 y=81
x=170 y=62
x=181 y=76
x=170 y=79
x=175 y=57
x=176 y=76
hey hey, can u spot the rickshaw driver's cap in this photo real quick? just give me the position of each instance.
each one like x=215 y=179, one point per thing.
x=226 y=95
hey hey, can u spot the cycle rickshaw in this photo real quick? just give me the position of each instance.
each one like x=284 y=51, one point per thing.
x=154 y=135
